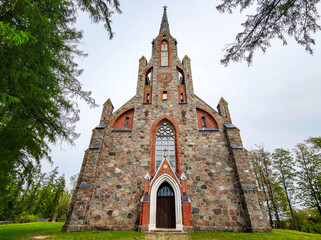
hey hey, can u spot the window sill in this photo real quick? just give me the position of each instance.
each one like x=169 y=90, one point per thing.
x=237 y=147
x=230 y=126
x=84 y=186
x=182 y=102
x=121 y=130
x=94 y=147
x=208 y=129
x=147 y=103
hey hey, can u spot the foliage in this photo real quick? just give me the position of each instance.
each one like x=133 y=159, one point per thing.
x=316 y=142
x=309 y=220
x=272 y=19
x=284 y=173
x=39 y=85
x=272 y=194
x=285 y=181
x=73 y=180
x=309 y=177
x=33 y=195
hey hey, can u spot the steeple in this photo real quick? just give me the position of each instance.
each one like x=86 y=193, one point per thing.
x=164 y=23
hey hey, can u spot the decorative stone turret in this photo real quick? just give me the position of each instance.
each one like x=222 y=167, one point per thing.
x=224 y=111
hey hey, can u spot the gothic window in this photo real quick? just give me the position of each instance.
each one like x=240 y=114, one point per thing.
x=165 y=144
x=147 y=100
x=164 y=54
x=165 y=95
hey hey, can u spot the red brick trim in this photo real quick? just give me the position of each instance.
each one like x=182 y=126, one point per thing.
x=160 y=52
x=181 y=89
x=148 y=90
x=118 y=115
x=161 y=95
x=153 y=143
x=219 y=125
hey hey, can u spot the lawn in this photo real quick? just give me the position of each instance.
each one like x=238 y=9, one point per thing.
x=41 y=230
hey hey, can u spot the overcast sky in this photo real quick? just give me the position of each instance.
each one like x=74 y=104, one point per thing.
x=273 y=102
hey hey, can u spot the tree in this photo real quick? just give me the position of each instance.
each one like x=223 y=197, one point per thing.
x=39 y=85
x=285 y=172
x=34 y=193
x=273 y=19
x=315 y=141
x=261 y=161
x=309 y=162
x=73 y=181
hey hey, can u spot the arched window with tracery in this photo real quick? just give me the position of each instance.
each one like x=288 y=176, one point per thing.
x=165 y=144
x=164 y=54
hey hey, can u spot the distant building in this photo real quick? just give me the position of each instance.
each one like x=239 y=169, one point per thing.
x=166 y=159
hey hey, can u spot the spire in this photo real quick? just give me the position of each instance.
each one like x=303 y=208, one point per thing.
x=164 y=23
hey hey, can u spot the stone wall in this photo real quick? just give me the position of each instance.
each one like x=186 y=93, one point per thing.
x=219 y=178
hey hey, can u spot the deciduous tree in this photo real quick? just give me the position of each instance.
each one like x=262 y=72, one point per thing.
x=284 y=166
x=309 y=176
x=261 y=161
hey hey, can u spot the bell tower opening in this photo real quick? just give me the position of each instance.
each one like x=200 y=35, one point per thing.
x=148 y=85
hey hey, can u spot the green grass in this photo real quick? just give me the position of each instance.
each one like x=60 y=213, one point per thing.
x=276 y=234
x=31 y=230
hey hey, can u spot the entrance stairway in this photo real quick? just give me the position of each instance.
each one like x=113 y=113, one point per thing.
x=167 y=231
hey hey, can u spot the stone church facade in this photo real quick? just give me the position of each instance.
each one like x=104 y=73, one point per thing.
x=166 y=159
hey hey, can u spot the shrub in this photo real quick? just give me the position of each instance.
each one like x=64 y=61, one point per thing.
x=27 y=218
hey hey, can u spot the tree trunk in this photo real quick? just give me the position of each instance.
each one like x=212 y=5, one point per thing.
x=290 y=206
x=268 y=205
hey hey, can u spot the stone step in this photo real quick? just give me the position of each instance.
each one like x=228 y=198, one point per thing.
x=167 y=232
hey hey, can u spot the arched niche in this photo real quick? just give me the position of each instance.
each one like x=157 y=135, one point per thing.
x=124 y=120
x=205 y=120
x=181 y=75
x=148 y=76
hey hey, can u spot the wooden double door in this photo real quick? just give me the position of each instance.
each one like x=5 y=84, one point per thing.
x=165 y=209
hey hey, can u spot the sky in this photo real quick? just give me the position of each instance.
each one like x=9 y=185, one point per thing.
x=274 y=102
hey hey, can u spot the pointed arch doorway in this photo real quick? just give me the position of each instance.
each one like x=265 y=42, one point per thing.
x=165 y=209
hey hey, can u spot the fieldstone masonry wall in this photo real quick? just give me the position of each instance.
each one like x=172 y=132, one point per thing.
x=218 y=190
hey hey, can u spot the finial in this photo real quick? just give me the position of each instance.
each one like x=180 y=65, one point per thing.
x=165 y=7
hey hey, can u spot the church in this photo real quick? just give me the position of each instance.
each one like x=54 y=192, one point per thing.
x=166 y=159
